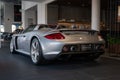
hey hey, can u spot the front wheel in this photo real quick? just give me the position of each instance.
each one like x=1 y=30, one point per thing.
x=12 y=48
x=36 y=52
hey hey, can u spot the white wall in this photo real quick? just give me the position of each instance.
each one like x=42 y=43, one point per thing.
x=8 y=16
x=26 y=7
x=30 y=17
x=41 y=11
x=28 y=4
x=50 y=14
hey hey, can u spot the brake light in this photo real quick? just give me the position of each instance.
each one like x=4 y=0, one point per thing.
x=55 y=36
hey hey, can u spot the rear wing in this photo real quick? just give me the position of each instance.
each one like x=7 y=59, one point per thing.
x=76 y=30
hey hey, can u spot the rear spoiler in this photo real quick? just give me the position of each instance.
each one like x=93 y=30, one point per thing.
x=77 y=30
x=64 y=30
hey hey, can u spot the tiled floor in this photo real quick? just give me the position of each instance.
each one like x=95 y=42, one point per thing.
x=20 y=67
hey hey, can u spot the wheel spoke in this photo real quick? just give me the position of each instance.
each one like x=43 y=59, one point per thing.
x=33 y=45
x=37 y=45
x=36 y=56
x=35 y=51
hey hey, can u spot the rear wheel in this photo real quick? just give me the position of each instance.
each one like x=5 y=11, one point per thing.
x=36 y=52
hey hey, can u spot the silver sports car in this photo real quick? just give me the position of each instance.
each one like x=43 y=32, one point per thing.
x=45 y=42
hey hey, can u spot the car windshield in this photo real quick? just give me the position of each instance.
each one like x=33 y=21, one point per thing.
x=41 y=27
x=30 y=28
x=62 y=27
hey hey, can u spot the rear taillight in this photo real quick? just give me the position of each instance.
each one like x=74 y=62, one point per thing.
x=55 y=36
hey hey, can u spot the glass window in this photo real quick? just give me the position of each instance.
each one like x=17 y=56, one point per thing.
x=47 y=26
x=30 y=28
x=43 y=26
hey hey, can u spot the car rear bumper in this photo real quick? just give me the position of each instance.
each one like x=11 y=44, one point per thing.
x=74 y=49
x=83 y=48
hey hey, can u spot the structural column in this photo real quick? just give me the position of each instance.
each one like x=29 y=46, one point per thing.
x=8 y=16
x=42 y=13
x=42 y=16
x=95 y=15
x=23 y=15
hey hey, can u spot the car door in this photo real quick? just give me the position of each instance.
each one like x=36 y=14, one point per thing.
x=24 y=38
x=21 y=39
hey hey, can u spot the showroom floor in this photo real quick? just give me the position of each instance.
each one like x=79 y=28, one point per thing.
x=20 y=67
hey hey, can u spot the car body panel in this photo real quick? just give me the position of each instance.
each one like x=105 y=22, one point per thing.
x=52 y=48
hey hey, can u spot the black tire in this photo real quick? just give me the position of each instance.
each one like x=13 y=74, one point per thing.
x=36 y=52
x=12 y=48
